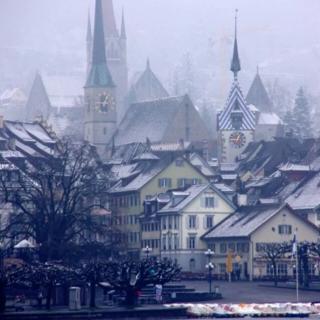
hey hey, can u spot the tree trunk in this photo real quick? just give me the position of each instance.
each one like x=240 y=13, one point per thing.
x=92 y=294
x=49 y=296
x=131 y=297
x=2 y=296
x=275 y=276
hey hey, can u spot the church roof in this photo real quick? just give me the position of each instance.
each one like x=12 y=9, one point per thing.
x=99 y=75
x=258 y=96
x=149 y=119
x=38 y=100
x=147 y=87
x=236 y=103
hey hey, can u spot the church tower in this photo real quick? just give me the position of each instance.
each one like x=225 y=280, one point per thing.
x=236 y=123
x=116 y=53
x=100 y=94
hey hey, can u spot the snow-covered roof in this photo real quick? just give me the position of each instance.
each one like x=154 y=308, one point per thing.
x=307 y=195
x=243 y=222
x=269 y=118
x=189 y=195
x=148 y=120
x=289 y=167
x=147 y=173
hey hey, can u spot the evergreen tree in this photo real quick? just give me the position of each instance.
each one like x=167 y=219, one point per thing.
x=301 y=116
x=289 y=123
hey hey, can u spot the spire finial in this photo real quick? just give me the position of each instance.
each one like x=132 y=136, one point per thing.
x=258 y=69
x=89 y=30
x=235 y=23
x=235 y=63
x=148 y=63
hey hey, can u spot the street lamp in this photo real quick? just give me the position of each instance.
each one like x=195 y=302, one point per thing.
x=147 y=250
x=209 y=254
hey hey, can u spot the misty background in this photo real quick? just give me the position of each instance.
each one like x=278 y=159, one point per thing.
x=282 y=37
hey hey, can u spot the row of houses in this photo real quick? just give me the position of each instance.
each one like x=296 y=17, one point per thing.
x=178 y=205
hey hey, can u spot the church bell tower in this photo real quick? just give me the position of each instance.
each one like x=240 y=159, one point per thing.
x=100 y=91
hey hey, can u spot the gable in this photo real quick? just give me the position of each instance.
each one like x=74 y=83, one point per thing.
x=236 y=102
x=187 y=118
x=268 y=232
x=173 y=172
x=220 y=204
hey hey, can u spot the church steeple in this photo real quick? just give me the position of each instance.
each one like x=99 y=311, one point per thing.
x=235 y=63
x=123 y=27
x=99 y=75
x=89 y=30
x=110 y=26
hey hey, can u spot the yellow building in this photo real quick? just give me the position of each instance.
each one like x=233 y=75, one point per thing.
x=246 y=231
x=143 y=179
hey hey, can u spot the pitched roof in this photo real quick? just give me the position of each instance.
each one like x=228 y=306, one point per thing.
x=99 y=75
x=243 y=222
x=149 y=119
x=189 y=195
x=306 y=196
x=38 y=103
x=236 y=103
x=144 y=174
x=258 y=96
x=147 y=87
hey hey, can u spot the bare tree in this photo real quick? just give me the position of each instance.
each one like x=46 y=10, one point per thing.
x=130 y=277
x=273 y=252
x=54 y=201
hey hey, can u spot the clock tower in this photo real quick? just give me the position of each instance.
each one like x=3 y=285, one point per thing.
x=100 y=92
x=236 y=122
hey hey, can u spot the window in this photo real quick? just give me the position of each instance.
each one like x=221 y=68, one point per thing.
x=170 y=222
x=176 y=242
x=284 y=229
x=212 y=246
x=191 y=242
x=164 y=223
x=192 y=222
x=231 y=247
x=209 y=222
x=223 y=268
x=176 y=222
x=209 y=202
x=195 y=181
x=164 y=243
x=223 y=247
x=164 y=183
x=282 y=269
x=182 y=182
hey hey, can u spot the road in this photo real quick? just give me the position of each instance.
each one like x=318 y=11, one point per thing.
x=254 y=292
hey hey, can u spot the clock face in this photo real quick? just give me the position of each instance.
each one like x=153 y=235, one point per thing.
x=237 y=139
x=105 y=102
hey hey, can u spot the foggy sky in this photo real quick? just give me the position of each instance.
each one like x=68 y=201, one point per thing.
x=281 y=36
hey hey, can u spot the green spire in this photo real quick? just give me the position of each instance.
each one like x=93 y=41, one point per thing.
x=99 y=75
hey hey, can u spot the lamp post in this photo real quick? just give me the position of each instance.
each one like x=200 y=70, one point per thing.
x=209 y=254
x=147 y=250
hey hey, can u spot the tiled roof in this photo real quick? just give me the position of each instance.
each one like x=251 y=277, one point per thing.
x=149 y=119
